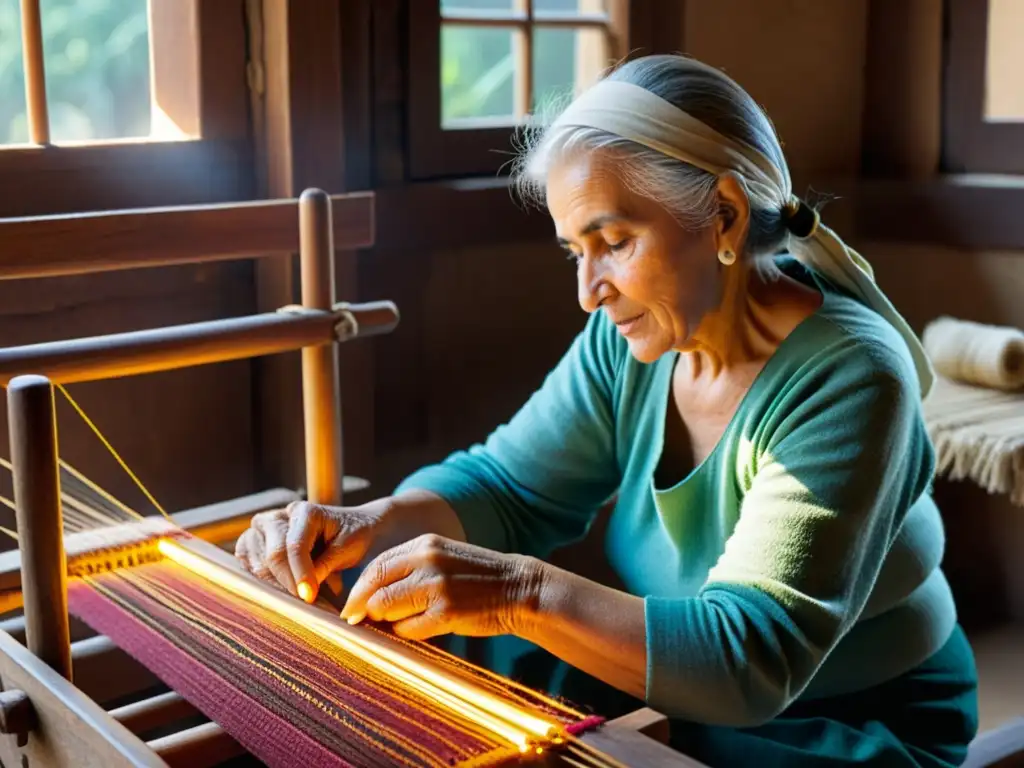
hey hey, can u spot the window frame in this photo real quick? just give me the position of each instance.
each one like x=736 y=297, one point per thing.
x=198 y=76
x=970 y=143
x=434 y=152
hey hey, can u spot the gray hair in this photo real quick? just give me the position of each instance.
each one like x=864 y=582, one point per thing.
x=687 y=192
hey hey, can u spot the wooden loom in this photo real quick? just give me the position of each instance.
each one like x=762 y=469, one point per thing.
x=46 y=718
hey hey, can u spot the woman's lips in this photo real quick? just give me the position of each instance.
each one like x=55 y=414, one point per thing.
x=628 y=325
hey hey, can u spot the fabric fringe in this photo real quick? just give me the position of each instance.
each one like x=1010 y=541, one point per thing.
x=978 y=435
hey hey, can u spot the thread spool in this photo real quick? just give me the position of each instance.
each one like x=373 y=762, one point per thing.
x=974 y=353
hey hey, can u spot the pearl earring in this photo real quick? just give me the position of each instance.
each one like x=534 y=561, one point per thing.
x=727 y=257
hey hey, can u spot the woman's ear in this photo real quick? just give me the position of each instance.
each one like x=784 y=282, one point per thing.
x=733 y=220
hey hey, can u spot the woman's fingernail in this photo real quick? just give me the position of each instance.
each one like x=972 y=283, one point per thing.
x=305 y=591
x=355 y=618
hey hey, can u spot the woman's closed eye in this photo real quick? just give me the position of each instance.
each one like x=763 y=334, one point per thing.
x=620 y=245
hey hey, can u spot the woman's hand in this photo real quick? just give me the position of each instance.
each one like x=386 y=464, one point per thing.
x=435 y=586
x=279 y=544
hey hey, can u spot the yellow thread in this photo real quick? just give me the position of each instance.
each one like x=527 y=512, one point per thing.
x=99 y=491
x=201 y=616
x=513 y=725
x=196 y=611
x=267 y=665
x=114 y=453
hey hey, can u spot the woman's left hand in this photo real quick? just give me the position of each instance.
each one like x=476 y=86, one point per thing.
x=433 y=586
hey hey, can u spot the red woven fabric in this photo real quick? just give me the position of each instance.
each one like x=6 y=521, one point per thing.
x=284 y=694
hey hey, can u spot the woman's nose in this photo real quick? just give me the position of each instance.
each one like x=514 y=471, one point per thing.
x=592 y=287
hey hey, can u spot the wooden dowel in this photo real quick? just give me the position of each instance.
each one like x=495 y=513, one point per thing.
x=203 y=746
x=156 y=712
x=321 y=386
x=35 y=72
x=180 y=346
x=82 y=243
x=522 y=47
x=33 y=431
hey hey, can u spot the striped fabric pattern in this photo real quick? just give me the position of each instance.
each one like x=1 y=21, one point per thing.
x=282 y=692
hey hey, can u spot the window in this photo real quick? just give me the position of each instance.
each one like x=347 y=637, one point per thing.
x=91 y=81
x=116 y=103
x=479 y=68
x=984 y=101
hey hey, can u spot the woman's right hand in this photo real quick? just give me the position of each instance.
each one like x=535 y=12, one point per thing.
x=279 y=544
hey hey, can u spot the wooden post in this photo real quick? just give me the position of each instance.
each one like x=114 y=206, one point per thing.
x=33 y=430
x=321 y=386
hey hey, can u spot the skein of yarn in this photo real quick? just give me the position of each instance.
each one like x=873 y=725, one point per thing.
x=973 y=353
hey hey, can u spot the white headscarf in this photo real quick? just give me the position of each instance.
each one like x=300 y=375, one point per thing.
x=636 y=114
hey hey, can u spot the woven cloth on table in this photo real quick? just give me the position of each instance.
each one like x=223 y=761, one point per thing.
x=978 y=435
x=286 y=695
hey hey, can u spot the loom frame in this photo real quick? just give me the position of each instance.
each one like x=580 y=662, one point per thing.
x=50 y=688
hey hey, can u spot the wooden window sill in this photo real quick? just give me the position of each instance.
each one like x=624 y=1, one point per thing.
x=971 y=212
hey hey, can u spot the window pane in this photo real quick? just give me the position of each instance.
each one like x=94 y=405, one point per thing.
x=477 y=76
x=565 y=62
x=97 y=68
x=476 y=7
x=13 y=111
x=1004 y=95
x=568 y=7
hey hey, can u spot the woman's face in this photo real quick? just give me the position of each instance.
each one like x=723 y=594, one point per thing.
x=653 y=278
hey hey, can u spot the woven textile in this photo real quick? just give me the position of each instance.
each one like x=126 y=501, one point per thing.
x=286 y=695
x=978 y=435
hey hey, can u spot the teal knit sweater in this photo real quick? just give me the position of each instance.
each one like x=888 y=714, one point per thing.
x=800 y=559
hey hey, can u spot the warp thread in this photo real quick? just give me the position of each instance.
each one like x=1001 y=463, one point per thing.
x=975 y=353
x=315 y=704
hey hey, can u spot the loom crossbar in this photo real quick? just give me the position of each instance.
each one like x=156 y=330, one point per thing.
x=76 y=244
x=183 y=346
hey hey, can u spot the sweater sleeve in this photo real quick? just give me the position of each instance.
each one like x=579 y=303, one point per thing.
x=537 y=482
x=835 y=468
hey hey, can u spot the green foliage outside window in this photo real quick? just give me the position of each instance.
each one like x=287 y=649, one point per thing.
x=97 y=70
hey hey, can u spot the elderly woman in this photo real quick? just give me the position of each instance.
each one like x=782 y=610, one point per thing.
x=752 y=403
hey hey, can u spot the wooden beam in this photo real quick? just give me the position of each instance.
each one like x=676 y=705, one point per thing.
x=198 y=69
x=633 y=748
x=203 y=746
x=46 y=246
x=185 y=346
x=964 y=212
x=158 y=711
x=303 y=133
x=72 y=728
x=902 y=120
x=457 y=214
x=652 y=724
x=116 y=174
